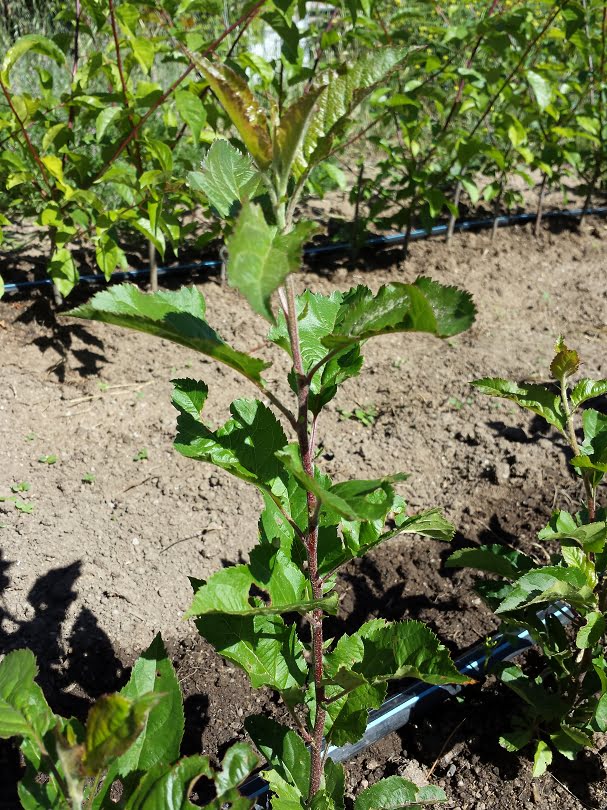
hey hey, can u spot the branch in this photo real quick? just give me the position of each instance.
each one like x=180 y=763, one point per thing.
x=246 y=18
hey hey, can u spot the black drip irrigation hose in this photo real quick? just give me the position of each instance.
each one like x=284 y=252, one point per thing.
x=335 y=247
x=418 y=698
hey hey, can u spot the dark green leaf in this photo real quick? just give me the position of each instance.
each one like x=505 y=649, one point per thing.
x=495 y=559
x=176 y=316
x=168 y=788
x=244 y=446
x=284 y=749
x=191 y=109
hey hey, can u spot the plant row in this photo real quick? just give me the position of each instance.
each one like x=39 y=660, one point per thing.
x=104 y=123
x=267 y=616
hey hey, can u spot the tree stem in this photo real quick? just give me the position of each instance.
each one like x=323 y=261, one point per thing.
x=306 y=448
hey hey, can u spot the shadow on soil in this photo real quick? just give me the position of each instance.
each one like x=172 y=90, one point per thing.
x=71 y=674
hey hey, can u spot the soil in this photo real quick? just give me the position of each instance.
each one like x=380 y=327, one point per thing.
x=120 y=520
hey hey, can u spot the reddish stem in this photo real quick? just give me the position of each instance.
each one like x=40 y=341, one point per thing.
x=30 y=145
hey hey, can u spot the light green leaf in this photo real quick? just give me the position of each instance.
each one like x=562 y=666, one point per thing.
x=533 y=397
x=161 y=737
x=227 y=177
x=563 y=526
x=242 y=108
x=263 y=646
x=592 y=631
x=109 y=255
x=176 y=316
x=541 y=759
x=62 y=270
x=541 y=87
x=396 y=793
x=191 y=109
x=585 y=389
x=104 y=119
x=24 y=711
x=545 y=585
x=260 y=258
x=30 y=42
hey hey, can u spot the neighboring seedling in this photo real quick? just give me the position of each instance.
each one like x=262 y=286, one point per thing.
x=567 y=704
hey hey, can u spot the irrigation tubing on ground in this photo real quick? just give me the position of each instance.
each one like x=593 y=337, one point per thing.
x=328 y=249
x=418 y=698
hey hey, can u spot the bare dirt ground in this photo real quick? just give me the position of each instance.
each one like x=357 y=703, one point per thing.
x=120 y=520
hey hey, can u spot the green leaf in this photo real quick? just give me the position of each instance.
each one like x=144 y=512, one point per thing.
x=35 y=43
x=24 y=711
x=104 y=119
x=594 y=447
x=109 y=255
x=600 y=714
x=113 y=724
x=545 y=585
x=227 y=177
x=546 y=705
x=63 y=271
x=396 y=793
x=495 y=559
x=592 y=631
x=353 y=500
x=168 y=788
x=191 y=109
x=431 y=523
x=316 y=315
x=228 y=591
x=244 y=446
x=541 y=87
x=260 y=257
x=541 y=759
x=339 y=98
x=424 y=306
x=533 y=397
x=242 y=108
x=563 y=526
x=263 y=646
x=161 y=737
x=284 y=750
x=176 y=316
x=585 y=389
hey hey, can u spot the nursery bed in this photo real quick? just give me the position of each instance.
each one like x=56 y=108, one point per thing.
x=98 y=567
